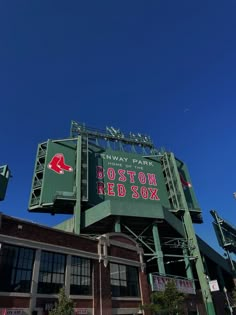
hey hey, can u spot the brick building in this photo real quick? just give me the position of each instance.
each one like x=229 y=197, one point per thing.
x=102 y=276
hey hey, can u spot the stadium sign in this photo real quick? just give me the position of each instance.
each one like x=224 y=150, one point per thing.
x=185 y=286
x=126 y=176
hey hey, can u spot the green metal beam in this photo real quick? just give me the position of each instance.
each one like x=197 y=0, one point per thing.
x=4 y=178
x=77 y=208
x=117 y=225
x=187 y=220
x=188 y=266
x=158 y=250
x=139 y=239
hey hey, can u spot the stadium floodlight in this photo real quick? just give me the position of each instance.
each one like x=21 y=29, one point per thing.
x=5 y=175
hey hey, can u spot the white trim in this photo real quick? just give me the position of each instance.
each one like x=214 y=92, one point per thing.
x=81 y=297
x=90 y=310
x=34 y=281
x=120 y=298
x=16 y=294
x=45 y=246
x=116 y=311
x=60 y=249
x=124 y=261
x=48 y=296
x=67 y=275
x=124 y=245
x=110 y=235
x=52 y=296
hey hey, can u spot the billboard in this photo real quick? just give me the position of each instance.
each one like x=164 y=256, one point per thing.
x=102 y=174
x=183 y=285
x=122 y=176
x=54 y=175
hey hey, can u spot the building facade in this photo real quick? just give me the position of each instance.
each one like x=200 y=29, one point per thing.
x=102 y=276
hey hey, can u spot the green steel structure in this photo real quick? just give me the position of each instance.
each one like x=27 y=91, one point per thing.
x=226 y=236
x=4 y=178
x=109 y=181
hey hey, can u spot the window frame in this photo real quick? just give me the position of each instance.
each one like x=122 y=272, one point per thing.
x=22 y=266
x=124 y=290
x=47 y=269
x=83 y=272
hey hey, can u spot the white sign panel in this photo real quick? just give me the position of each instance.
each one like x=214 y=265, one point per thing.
x=11 y=311
x=183 y=285
x=214 y=286
x=80 y=311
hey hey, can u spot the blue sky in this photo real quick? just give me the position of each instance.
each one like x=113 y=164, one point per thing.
x=165 y=68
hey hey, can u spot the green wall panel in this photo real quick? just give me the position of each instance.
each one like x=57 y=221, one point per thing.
x=187 y=186
x=58 y=178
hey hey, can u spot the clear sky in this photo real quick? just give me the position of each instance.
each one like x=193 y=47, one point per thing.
x=164 y=67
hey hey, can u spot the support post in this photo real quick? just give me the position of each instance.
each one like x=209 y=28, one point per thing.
x=67 y=275
x=77 y=208
x=159 y=253
x=117 y=225
x=190 y=233
x=188 y=266
x=34 y=283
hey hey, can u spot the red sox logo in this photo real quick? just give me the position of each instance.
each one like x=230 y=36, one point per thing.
x=184 y=182
x=58 y=165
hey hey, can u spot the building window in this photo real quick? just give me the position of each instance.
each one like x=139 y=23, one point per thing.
x=80 y=281
x=124 y=280
x=51 y=272
x=16 y=265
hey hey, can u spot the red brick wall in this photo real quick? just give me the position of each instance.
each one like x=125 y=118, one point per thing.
x=40 y=302
x=83 y=303
x=96 y=289
x=123 y=253
x=145 y=290
x=38 y=233
x=122 y=239
x=106 y=290
x=19 y=302
x=79 y=303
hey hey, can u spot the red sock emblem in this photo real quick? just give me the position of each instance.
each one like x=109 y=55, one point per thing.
x=184 y=182
x=63 y=165
x=58 y=165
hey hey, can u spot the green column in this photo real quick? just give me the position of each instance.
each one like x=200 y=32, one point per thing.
x=77 y=208
x=188 y=267
x=206 y=271
x=158 y=250
x=195 y=252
